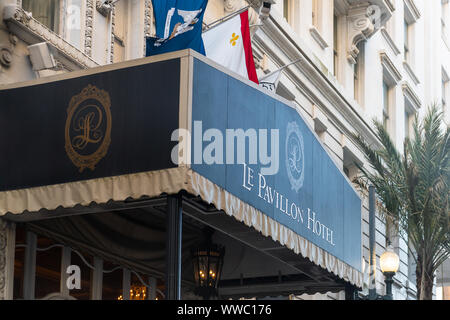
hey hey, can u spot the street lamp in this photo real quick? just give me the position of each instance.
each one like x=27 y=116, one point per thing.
x=389 y=263
x=208 y=262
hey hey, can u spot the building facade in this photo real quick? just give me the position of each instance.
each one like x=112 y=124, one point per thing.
x=358 y=60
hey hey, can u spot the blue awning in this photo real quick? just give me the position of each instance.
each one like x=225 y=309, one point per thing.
x=113 y=133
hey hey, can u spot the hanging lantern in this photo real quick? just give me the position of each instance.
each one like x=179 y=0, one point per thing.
x=208 y=262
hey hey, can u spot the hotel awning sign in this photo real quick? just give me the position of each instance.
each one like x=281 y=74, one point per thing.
x=177 y=122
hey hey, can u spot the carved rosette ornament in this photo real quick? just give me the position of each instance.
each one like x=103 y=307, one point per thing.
x=2 y=258
x=360 y=28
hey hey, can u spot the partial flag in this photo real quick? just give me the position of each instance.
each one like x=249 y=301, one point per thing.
x=271 y=80
x=178 y=26
x=229 y=45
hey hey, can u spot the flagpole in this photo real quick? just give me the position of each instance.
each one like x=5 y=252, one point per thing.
x=218 y=22
x=279 y=69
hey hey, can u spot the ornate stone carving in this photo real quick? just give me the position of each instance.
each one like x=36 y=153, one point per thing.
x=255 y=3
x=6 y=51
x=253 y=16
x=148 y=21
x=89 y=27
x=360 y=28
x=104 y=7
x=113 y=24
x=232 y=5
x=2 y=258
x=24 y=26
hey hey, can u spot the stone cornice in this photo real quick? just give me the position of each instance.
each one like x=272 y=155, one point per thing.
x=411 y=97
x=410 y=72
x=32 y=31
x=391 y=72
x=412 y=13
x=318 y=37
x=390 y=41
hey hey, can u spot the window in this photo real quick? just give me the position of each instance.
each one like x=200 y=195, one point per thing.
x=444 y=91
x=407 y=124
x=315 y=13
x=335 y=45
x=411 y=16
x=358 y=75
x=45 y=11
x=112 y=281
x=286 y=10
x=444 y=95
x=48 y=267
x=407 y=45
x=385 y=105
x=444 y=19
x=120 y=31
x=72 y=25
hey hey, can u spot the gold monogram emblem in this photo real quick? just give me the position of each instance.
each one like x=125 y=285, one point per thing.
x=88 y=127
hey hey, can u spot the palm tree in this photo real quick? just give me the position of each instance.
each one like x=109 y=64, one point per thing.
x=414 y=189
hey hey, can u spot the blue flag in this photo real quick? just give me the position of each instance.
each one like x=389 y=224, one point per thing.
x=178 y=26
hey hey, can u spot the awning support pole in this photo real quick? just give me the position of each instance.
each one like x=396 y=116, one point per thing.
x=173 y=246
x=29 y=277
x=65 y=263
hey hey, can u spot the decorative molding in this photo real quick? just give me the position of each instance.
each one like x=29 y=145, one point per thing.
x=359 y=28
x=149 y=21
x=360 y=24
x=104 y=8
x=321 y=122
x=318 y=37
x=445 y=76
x=411 y=97
x=113 y=25
x=412 y=13
x=6 y=51
x=391 y=72
x=25 y=27
x=411 y=72
x=390 y=41
x=3 y=243
x=89 y=27
x=232 y=5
